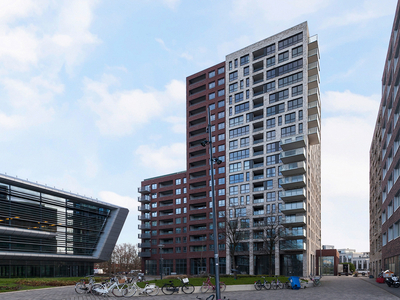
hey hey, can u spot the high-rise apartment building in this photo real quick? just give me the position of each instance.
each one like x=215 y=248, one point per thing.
x=267 y=97
x=385 y=166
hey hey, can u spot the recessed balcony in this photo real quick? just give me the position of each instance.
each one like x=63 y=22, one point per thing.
x=144 y=208
x=292 y=245
x=144 y=199
x=294 y=168
x=294 y=221
x=313 y=121
x=293 y=195
x=144 y=190
x=294 y=233
x=293 y=182
x=294 y=208
x=293 y=142
x=293 y=155
x=314 y=136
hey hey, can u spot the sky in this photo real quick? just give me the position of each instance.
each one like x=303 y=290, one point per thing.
x=92 y=93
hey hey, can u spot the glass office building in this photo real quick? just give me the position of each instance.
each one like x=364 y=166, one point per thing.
x=46 y=232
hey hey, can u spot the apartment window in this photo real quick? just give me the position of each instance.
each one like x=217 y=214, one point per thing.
x=233 y=87
x=270 y=61
x=276 y=109
x=236 y=178
x=294 y=65
x=211 y=85
x=278 y=96
x=279 y=120
x=178 y=181
x=178 y=230
x=270 y=172
x=221 y=170
x=244 y=142
x=211 y=74
x=247 y=94
x=233 y=76
x=236 y=63
x=221 y=103
x=221 y=70
x=212 y=106
x=221 y=115
x=283 y=56
x=246 y=71
x=246 y=165
x=222 y=157
x=154 y=186
x=270 y=86
x=300 y=115
x=247 y=82
x=221 y=81
x=291 y=79
x=271 y=123
x=287 y=131
x=242 y=107
x=297 y=51
x=178 y=191
x=221 y=214
x=273 y=147
x=230 y=65
x=178 y=211
x=154 y=205
x=178 y=221
x=239 y=154
x=271 y=196
x=290 y=118
x=221 y=203
x=272 y=159
x=221 y=148
x=297 y=38
x=296 y=103
x=233 y=190
x=270 y=135
x=221 y=137
x=178 y=201
x=300 y=127
x=212 y=128
x=238 y=97
x=154 y=196
x=297 y=90
x=221 y=192
x=241 y=84
x=221 y=180
x=233 y=145
x=233 y=201
x=244 y=60
x=221 y=126
x=236 y=167
x=212 y=118
x=245 y=188
x=211 y=96
x=239 y=131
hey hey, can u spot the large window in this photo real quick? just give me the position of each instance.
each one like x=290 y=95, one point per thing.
x=244 y=60
x=233 y=76
x=239 y=155
x=287 y=131
x=294 y=65
x=288 y=80
x=296 y=103
x=236 y=121
x=276 y=109
x=236 y=178
x=297 y=38
x=242 y=107
x=275 y=97
x=239 y=131
x=235 y=167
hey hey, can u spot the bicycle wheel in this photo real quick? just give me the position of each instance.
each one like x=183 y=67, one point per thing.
x=81 y=288
x=188 y=288
x=267 y=285
x=95 y=287
x=204 y=288
x=168 y=289
x=153 y=291
x=130 y=291
x=274 y=286
x=281 y=285
x=258 y=285
x=118 y=291
x=318 y=283
x=222 y=287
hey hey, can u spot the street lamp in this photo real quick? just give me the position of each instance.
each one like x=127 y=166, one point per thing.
x=161 y=259
x=320 y=257
x=214 y=210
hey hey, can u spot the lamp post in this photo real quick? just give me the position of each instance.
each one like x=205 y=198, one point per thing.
x=161 y=260
x=320 y=257
x=214 y=210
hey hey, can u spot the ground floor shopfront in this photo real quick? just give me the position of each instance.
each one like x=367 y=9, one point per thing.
x=43 y=268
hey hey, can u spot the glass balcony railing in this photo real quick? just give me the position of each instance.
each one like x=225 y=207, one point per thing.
x=294 y=206
x=292 y=245
x=294 y=220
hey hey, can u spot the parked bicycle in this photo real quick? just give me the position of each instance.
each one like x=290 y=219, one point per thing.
x=207 y=285
x=258 y=285
x=211 y=297
x=150 y=289
x=316 y=280
x=82 y=287
x=185 y=286
x=276 y=283
x=113 y=286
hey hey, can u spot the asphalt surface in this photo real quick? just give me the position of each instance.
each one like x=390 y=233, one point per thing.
x=342 y=287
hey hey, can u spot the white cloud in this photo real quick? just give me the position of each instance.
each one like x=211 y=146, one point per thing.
x=123 y=201
x=187 y=56
x=178 y=124
x=121 y=112
x=166 y=159
x=162 y=43
x=171 y=4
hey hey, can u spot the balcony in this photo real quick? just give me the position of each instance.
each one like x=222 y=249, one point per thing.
x=198 y=217
x=293 y=195
x=144 y=199
x=313 y=95
x=144 y=236
x=144 y=190
x=144 y=245
x=293 y=182
x=294 y=168
x=293 y=155
x=313 y=55
x=294 y=221
x=294 y=233
x=313 y=42
x=313 y=68
x=313 y=81
x=293 y=143
x=314 y=108
x=314 y=136
x=293 y=208
x=313 y=121
x=144 y=217
x=145 y=254
x=144 y=208
x=292 y=245
x=144 y=226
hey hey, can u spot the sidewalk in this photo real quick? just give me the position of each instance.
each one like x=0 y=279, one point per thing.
x=392 y=290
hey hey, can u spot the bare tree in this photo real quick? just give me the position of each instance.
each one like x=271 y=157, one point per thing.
x=272 y=235
x=233 y=236
x=124 y=258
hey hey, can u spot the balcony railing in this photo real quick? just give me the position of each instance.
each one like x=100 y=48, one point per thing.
x=293 y=142
x=292 y=245
x=145 y=254
x=293 y=182
x=294 y=168
x=294 y=207
x=293 y=195
x=144 y=190
x=144 y=226
x=144 y=236
x=294 y=233
x=293 y=155
x=294 y=220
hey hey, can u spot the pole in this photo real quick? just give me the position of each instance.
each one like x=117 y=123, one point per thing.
x=320 y=256
x=161 y=246
x=214 y=211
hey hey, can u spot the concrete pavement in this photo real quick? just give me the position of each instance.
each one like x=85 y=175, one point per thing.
x=343 y=287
